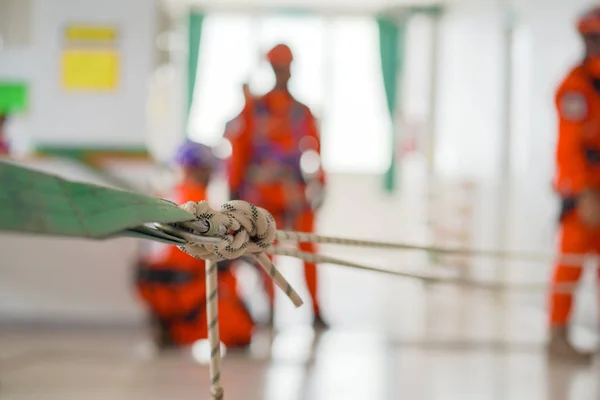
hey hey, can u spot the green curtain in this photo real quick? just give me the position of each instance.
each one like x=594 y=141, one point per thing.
x=195 y=21
x=391 y=48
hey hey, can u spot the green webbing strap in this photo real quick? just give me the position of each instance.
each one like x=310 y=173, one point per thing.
x=36 y=202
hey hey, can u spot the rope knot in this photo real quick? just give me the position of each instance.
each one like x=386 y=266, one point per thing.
x=249 y=230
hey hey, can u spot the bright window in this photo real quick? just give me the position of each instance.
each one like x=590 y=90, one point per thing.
x=336 y=73
x=357 y=126
x=225 y=59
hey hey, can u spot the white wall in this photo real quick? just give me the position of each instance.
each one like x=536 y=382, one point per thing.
x=470 y=120
x=469 y=110
x=67 y=280
x=59 y=117
x=469 y=87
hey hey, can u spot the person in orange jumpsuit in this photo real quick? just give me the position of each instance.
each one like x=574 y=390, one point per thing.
x=577 y=179
x=274 y=140
x=172 y=283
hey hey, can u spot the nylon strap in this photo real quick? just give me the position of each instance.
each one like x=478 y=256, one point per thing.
x=40 y=203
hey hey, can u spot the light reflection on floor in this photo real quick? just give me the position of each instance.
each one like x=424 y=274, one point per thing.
x=299 y=365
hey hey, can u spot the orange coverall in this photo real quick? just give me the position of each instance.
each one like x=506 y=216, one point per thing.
x=268 y=139
x=578 y=168
x=180 y=299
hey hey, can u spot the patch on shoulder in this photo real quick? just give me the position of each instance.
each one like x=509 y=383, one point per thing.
x=573 y=106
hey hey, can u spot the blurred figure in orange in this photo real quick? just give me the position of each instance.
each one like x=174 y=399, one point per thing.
x=233 y=126
x=275 y=162
x=577 y=178
x=172 y=283
x=4 y=148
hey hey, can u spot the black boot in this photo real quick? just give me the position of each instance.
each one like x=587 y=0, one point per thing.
x=319 y=323
x=161 y=336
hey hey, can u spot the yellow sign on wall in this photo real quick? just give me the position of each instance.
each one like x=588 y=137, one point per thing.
x=90 y=69
x=91 y=33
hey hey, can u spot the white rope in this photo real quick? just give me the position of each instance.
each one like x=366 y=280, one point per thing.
x=212 y=319
x=469 y=283
x=251 y=230
x=248 y=230
x=565 y=258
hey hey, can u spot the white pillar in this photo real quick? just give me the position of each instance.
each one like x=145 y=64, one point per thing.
x=433 y=91
x=505 y=145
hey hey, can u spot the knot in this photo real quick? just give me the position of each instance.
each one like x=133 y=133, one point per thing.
x=249 y=230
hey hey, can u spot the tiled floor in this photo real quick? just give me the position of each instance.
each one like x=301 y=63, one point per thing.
x=459 y=345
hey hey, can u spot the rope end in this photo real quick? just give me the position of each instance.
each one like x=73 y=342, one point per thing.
x=297 y=302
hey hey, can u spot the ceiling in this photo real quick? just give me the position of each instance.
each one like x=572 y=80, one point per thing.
x=324 y=6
